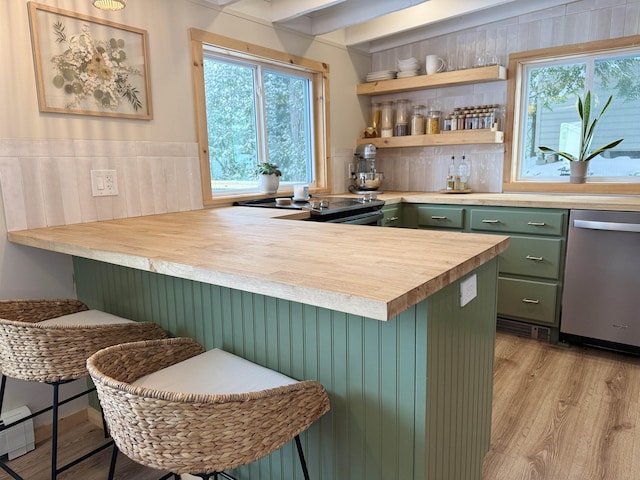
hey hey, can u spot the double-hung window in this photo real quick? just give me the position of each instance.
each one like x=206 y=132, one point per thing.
x=544 y=87
x=263 y=106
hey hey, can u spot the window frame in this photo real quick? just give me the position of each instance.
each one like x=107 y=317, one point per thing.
x=515 y=78
x=320 y=93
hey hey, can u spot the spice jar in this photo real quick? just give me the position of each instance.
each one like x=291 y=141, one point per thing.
x=402 y=118
x=386 y=119
x=417 y=120
x=433 y=122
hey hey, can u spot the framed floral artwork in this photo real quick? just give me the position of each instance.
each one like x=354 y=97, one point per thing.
x=89 y=66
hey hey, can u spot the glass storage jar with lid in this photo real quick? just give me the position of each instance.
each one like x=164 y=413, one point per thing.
x=386 y=119
x=402 y=118
x=417 y=120
x=433 y=122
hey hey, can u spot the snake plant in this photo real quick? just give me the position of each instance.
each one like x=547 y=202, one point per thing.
x=587 y=129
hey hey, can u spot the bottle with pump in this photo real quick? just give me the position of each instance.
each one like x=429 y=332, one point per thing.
x=451 y=174
x=463 y=173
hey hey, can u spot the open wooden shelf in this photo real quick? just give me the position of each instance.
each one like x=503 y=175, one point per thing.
x=457 y=137
x=445 y=79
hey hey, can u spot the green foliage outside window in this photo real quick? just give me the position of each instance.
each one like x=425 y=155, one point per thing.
x=256 y=114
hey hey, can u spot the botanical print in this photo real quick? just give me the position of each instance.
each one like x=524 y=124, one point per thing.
x=94 y=70
x=89 y=66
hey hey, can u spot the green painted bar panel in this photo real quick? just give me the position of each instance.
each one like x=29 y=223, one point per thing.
x=410 y=398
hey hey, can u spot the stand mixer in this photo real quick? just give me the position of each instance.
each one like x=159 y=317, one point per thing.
x=364 y=177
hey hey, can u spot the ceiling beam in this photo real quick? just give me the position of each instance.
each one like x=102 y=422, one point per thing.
x=284 y=10
x=355 y=12
x=439 y=17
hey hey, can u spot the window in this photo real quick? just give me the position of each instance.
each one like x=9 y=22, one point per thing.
x=261 y=107
x=544 y=86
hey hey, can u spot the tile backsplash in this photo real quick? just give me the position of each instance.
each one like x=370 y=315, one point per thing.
x=48 y=182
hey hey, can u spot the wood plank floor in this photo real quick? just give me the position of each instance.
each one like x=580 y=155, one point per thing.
x=83 y=437
x=563 y=413
x=558 y=414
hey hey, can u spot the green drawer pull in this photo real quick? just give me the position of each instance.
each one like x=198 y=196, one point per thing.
x=490 y=221
x=438 y=217
x=535 y=259
x=528 y=300
x=536 y=224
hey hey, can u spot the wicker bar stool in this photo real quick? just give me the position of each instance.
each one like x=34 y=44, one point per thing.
x=172 y=406
x=49 y=341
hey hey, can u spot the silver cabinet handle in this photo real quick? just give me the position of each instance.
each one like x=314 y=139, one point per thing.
x=536 y=224
x=490 y=221
x=438 y=217
x=528 y=300
x=615 y=325
x=535 y=259
x=391 y=219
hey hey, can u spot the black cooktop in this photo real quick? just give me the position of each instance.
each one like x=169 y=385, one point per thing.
x=320 y=205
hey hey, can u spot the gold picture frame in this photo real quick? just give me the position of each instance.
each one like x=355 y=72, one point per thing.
x=89 y=66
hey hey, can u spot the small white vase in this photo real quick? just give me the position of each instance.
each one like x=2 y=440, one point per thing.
x=578 y=172
x=268 y=183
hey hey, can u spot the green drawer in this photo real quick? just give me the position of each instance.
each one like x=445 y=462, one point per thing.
x=440 y=217
x=532 y=256
x=391 y=216
x=527 y=300
x=527 y=220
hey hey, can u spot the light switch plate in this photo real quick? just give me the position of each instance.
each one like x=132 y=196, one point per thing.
x=104 y=183
x=468 y=289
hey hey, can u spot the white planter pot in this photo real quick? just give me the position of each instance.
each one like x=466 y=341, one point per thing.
x=268 y=183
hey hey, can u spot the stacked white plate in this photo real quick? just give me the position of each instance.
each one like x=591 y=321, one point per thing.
x=408 y=67
x=381 y=75
x=407 y=73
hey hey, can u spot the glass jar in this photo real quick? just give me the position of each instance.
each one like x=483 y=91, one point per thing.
x=376 y=116
x=417 y=120
x=446 y=123
x=386 y=119
x=402 y=118
x=433 y=122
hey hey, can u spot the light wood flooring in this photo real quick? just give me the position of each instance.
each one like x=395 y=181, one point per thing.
x=563 y=413
x=558 y=414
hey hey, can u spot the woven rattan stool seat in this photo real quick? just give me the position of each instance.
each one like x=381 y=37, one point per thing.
x=197 y=431
x=49 y=341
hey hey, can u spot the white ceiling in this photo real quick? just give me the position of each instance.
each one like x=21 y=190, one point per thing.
x=374 y=25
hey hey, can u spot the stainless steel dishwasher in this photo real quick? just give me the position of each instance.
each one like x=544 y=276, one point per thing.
x=601 y=297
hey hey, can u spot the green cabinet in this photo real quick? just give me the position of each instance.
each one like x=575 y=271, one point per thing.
x=392 y=215
x=531 y=270
x=433 y=216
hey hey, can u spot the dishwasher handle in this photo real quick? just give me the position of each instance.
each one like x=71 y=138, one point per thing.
x=609 y=226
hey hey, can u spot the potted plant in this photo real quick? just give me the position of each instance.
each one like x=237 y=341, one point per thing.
x=268 y=177
x=579 y=163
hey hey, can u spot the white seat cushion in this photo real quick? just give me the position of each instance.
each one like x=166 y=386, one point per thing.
x=88 y=317
x=214 y=372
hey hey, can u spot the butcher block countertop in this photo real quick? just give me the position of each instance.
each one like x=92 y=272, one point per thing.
x=368 y=271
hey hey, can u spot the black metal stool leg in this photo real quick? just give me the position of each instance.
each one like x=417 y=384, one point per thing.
x=3 y=387
x=54 y=435
x=112 y=464
x=302 y=460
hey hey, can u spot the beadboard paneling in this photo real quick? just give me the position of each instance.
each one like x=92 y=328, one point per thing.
x=396 y=412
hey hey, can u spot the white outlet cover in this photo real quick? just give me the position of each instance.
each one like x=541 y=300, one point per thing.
x=104 y=183
x=468 y=289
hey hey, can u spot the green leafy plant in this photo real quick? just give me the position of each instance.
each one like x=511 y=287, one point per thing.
x=267 y=168
x=585 y=154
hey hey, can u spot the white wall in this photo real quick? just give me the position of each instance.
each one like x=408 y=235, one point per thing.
x=45 y=157
x=576 y=22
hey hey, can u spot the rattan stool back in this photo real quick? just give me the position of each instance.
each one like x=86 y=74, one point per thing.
x=34 y=350
x=195 y=433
